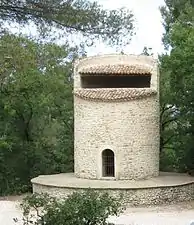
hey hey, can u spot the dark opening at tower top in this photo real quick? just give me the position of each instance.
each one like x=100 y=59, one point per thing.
x=115 y=76
x=141 y=81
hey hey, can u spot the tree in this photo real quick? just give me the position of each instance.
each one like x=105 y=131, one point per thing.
x=85 y=208
x=178 y=69
x=71 y=16
x=171 y=13
x=36 y=110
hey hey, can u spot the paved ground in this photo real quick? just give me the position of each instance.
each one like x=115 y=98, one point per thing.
x=9 y=211
x=69 y=180
x=182 y=214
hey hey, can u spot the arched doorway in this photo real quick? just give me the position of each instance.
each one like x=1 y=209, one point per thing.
x=108 y=163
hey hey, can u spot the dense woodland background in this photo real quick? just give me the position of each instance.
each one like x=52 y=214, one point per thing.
x=36 y=102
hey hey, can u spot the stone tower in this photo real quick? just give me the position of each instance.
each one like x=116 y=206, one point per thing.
x=116 y=111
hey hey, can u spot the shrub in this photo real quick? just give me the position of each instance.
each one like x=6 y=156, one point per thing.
x=80 y=208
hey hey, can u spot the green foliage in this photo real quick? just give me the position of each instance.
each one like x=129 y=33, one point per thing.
x=80 y=208
x=80 y=16
x=177 y=70
x=170 y=14
x=36 y=111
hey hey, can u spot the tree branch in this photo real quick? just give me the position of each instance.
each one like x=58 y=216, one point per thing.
x=164 y=109
x=167 y=140
x=167 y=122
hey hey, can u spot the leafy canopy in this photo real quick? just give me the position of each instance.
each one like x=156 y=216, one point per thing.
x=36 y=110
x=171 y=13
x=71 y=16
x=178 y=80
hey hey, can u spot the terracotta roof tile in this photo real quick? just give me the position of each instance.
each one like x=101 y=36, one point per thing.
x=119 y=69
x=121 y=94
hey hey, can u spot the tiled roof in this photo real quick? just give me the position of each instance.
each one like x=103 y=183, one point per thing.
x=119 y=69
x=120 y=94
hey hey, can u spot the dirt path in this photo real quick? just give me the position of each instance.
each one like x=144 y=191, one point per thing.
x=180 y=214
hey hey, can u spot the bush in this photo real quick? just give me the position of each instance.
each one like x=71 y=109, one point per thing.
x=80 y=208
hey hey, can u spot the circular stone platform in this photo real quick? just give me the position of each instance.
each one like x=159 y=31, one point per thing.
x=166 y=188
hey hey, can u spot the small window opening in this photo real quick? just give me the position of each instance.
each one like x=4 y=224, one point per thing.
x=108 y=164
x=116 y=81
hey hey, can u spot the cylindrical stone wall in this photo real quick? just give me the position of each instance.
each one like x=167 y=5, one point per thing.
x=129 y=128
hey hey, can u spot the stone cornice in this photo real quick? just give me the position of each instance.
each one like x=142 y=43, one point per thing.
x=115 y=69
x=114 y=94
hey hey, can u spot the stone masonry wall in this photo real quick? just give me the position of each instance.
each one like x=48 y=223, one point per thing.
x=132 y=197
x=129 y=128
x=114 y=59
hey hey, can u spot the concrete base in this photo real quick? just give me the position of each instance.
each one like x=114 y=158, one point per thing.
x=166 y=188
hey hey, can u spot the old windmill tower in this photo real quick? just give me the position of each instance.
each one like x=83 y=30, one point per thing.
x=116 y=110
x=116 y=135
